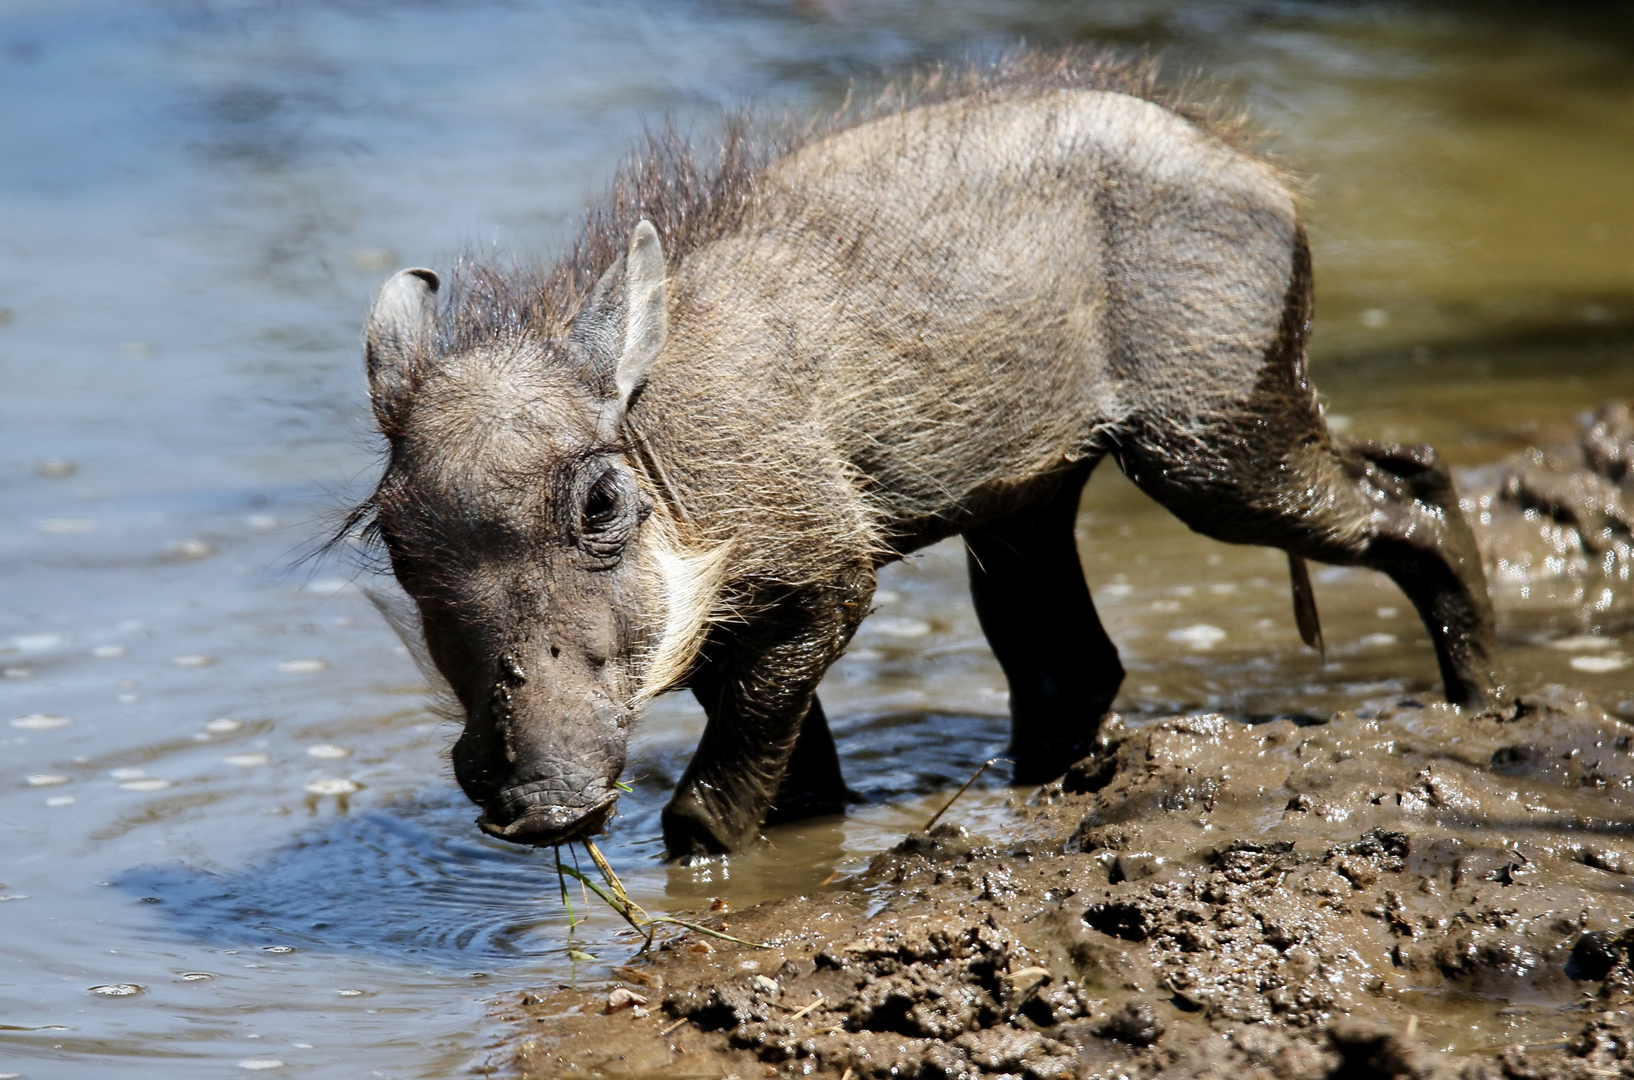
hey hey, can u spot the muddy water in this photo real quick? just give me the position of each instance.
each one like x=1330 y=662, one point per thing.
x=229 y=836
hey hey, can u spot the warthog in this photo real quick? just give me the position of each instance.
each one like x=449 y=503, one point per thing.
x=679 y=457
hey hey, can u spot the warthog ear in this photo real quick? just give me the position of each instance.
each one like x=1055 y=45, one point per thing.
x=398 y=342
x=624 y=324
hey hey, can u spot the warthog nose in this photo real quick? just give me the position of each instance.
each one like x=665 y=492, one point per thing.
x=526 y=814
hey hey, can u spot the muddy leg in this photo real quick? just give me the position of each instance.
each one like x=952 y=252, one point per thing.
x=1035 y=609
x=1421 y=539
x=1389 y=508
x=760 y=691
x=812 y=782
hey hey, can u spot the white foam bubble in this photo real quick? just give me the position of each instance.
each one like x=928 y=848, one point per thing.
x=41 y=722
x=109 y=652
x=1582 y=643
x=260 y=1064
x=1387 y=612
x=191 y=549
x=895 y=626
x=331 y=786
x=302 y=667
x=221 y=725
x=126 y=774
x=246 y=761
x=261 y=522
x=328 y=751
x=1378 y=641
x=152 y=783
x=36 y=642
x=1200 y=636
x=55 y=468
x=46 y=779
x=61 y=800
x=193 y=659
x=117 y=990
x=886 y=596
x=1600 y=665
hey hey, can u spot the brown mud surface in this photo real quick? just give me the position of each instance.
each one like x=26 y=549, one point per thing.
x=1408 y=891
x=1419 y=892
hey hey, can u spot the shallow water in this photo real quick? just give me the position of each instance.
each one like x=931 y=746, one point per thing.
x=196 y=202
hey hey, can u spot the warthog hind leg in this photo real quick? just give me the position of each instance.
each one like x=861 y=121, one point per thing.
x=1390 y=508
x=1029 y=591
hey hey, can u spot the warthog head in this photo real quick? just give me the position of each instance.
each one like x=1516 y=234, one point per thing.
x=515 y=519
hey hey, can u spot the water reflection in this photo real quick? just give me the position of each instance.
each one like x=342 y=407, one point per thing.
x=408 y=879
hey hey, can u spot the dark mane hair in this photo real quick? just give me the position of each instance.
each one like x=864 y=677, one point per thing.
x=695 y=197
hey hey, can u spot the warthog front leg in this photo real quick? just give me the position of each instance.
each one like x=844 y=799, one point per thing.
x=766 y=750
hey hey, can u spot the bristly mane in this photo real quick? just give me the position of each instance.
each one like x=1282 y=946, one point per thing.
x=693 y=201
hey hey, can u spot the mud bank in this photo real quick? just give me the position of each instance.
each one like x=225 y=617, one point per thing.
x=1409 y=892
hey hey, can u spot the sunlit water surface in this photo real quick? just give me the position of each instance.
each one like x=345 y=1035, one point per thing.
x=230 y=840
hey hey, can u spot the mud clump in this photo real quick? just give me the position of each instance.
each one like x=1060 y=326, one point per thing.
x=1418 y=892
x=1563 y=511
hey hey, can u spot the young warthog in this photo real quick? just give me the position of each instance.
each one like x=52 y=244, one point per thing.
x=678 y=458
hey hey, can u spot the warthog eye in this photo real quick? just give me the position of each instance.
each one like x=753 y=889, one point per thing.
x=601 y=505
x=607 y=515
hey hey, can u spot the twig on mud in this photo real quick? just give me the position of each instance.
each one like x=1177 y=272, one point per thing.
x=628 y=909
x=706 y=930
x=808 y=1008
x=1028 y=973
x=673 y=1028
x=938 y=815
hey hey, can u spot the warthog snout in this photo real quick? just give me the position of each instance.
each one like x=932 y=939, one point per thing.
x=543 y=761
x=528 y=814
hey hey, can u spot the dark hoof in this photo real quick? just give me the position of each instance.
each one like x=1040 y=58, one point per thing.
x=1044 y=765
x=690 y=829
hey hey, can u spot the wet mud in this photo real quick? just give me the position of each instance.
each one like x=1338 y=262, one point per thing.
x=1401 y=889
x=1413 y=892
x=1565 y=509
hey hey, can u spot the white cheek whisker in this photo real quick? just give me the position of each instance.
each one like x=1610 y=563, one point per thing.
x=689 y=581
